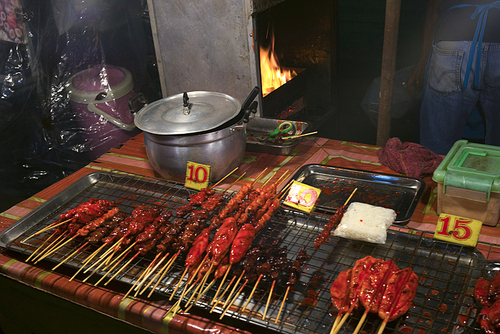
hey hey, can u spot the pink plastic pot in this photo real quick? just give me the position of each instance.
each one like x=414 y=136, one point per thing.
x=100 y=98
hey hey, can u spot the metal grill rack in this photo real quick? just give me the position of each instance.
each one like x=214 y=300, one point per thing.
x=447 y=272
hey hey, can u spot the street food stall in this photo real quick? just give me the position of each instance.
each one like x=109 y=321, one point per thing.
x=137 y=295
x=215 y=215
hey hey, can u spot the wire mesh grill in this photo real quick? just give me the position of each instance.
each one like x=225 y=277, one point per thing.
x=447 y=272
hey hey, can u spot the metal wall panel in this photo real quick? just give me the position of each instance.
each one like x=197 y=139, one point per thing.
x=204 y=45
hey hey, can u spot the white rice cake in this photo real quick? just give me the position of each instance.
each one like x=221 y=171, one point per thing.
x=365 y=222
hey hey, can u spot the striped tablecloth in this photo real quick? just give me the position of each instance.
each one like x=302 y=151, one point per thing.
x=131 y=157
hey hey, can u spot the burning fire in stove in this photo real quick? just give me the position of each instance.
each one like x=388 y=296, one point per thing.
x=272 y=74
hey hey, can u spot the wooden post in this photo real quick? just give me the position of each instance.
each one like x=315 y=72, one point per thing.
x=392 y=11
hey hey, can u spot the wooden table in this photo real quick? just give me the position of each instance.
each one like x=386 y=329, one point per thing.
x=36 y=299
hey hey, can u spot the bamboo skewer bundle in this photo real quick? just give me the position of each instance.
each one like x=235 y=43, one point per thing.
x=107 y=258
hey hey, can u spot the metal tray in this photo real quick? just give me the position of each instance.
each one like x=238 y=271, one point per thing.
x=127 y=189
x=337 y=183
x=258 y=127
x=445 y=271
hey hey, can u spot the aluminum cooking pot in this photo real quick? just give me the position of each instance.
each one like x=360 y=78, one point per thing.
x=201 y=127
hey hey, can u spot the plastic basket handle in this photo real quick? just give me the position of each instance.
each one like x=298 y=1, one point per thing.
x=124 y=126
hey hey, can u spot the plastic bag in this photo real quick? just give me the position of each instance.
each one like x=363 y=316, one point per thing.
x=403 y=102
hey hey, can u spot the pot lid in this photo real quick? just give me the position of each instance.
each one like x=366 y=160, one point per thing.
x=187 y=113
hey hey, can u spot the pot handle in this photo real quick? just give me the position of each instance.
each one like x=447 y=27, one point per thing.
x=132 y=102
x=124 y=126
x=250 y=98
x=243 y=123
x=251 y=109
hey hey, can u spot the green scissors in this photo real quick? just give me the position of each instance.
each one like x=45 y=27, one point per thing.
x=281 y=129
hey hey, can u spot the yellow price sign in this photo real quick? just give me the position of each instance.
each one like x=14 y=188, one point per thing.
x=460 y=230
x=197 y=175
x=302 y=196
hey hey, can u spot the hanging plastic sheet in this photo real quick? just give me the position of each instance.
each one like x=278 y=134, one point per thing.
x=70 y=70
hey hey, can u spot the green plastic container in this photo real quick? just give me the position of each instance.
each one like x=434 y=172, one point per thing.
x=469 y=182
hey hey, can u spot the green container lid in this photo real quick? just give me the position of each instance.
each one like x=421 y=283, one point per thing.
x=470 y=166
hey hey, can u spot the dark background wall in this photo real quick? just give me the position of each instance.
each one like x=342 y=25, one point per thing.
x=360 y=46
x=29 y=161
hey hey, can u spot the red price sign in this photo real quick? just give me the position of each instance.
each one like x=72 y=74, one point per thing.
x=197 y=175
x=457 y=229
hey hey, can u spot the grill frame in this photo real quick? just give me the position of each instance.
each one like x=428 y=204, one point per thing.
x=447 y=272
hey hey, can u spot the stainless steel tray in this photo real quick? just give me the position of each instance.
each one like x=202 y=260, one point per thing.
x=259 y=126
x=446 y=271
x=127 y=189
x=337 y=183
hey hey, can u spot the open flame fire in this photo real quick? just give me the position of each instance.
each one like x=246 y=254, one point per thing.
x=272 y=74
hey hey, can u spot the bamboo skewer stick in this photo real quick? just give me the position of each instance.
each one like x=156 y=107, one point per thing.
x=232 y=301
x=187 y=288
x=382 y=327
x=282 y=178
x=349 y=198
x=179 y=283
x=48 y=227
x=93 y=254
x=361 y=321
x=268 y=300
x=105 y=261
x=40 y=247
x=258 y=176
x=202 y=283
x=115 y=248
x=335 y=330
x=117 y=261
x=198 y=288
x=104 y=255
x=336 y=322
x=176 y=307
x=163 y=272
x=216 y=302
x=301 y=135
x=190 y=279
x=149 y=271
x=220 y=285
x=102 y=259
x=234 y=288
x=377 y=292
x=252 y=292
x=157 y=274
x=282 y=303
x=122 y=268
x=129 y=248
x=56 y=248
x=49 y=248
x=87 y=260
x=225 y=177
x=97 y=251
x=71 y=255
x=144 y=272
x=269 y=179
x=395 y=303
x=201 y=294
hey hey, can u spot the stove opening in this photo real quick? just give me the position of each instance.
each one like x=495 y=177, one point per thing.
x=295 y=49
